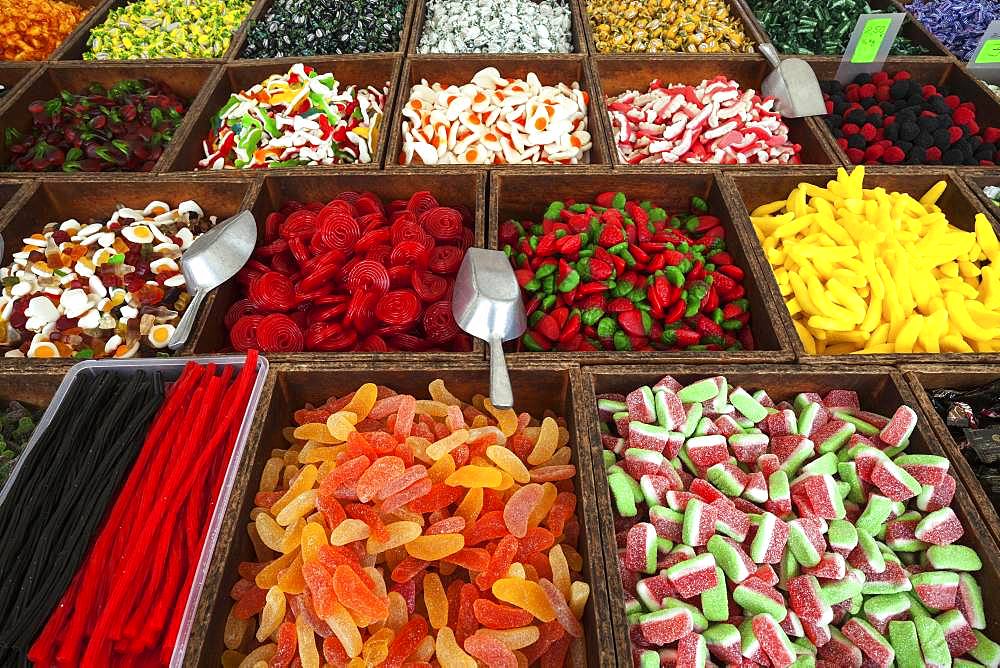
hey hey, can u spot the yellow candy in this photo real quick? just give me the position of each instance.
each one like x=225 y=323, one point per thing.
x=434 y=547
x=475 y=476
x=524 y=594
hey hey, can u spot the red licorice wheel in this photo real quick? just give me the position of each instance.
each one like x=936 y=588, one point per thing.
x=266 y=251
x=285 y=263
x=299 y=250
x=429 y=287
x=410 y=253
x=468 y=239
x=329 y=300
x=379 y=254
x=361 y=312
x=239 y=308
x=368 y=203
x=337 y=207
x=398 y=307
x=349 y=196
x=368 y=276
x=406 y=229
x=330 y=337
x=278 y=333
x=330 y=313
x=272 y=292
x=272 y=226
x=339 y=232
x=302 y=223
x=443 y=223
x=373 y=238
x=445 y=259
x=372 y=221
x=243 y=334
x=421 y=201
x=251 y=270
x=407 y=342
x=373 y=344
x=399 y=276
x=329 y=257
x=321 y=278
x=439 y=323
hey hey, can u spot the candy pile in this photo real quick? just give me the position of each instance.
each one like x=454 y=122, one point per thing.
x=993 y=192
x=108 y=288
x=694 y=26
x=891 y=119
x=493 y=120
x=123 y=128
x=401 y=529
x=958 y=24
x=33 y=29
x=714 y=122
x=298 y=118
x=863 y=270
x=811 y=28
x=154 y=531
x=57 y=501
x=972 y=415
x=742 y=523
x=17 y=423
x=497 y=26
x=625 y=275
x=321 y=27
x=354 y=275
x=145 y=29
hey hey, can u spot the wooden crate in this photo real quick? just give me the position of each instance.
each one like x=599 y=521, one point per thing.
x=977 y=180
x=751 y=190
x=525 y=196
x=881 y=389
x=459 y=69
x=578 y=38
x=13 y=75
x=925 y=377
x=451 y=187
x=538 y=388
x=187 y=79
x=617 y=74
x=936 y=71
x=361 y=70
x=58 y=199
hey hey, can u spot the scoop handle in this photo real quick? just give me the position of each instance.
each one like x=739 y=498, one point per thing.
x=184 y=327
x=768 y=51
x=501 y=393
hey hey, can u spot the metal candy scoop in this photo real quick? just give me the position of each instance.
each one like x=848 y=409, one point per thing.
x=211 y=260
x=793 y=84
x=487 y=304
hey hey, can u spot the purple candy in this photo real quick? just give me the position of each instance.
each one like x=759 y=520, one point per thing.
x=959 y=24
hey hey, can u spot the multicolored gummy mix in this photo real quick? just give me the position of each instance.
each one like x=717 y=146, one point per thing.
x=354 y=274
x=769 y=532
x=623 y=274
x=892 y=119
x=395 y=530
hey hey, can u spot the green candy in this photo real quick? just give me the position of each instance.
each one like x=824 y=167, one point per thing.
x=904 y=641
x=932 y=642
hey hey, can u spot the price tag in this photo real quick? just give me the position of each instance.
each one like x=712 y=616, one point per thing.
x=985 y=61
x=870 y=44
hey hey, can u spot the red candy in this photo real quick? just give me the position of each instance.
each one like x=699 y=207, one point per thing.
x=353 y=274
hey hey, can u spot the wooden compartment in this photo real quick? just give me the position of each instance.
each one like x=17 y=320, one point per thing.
x=737 y=10
x=186 y=80
x=578 y=39
x=881 y=389
x=58 y=199
x=979 y=180
x=751 y=190
x=459 y=69
x=939 y=72
x=925 y=377
x=617 y=74
x=525 y=196
x=902 y=6
x=361 y=70
x=537 y=388
x=237 y=53
x=93 y=7
x=33 y=388
x=76 y=45
x=451 y=187
x=912 y=30
x=13 y=75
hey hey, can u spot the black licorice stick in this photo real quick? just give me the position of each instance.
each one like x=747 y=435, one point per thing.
x=57 y=503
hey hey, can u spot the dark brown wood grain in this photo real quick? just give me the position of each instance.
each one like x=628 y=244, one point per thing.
x=881 y=389
x=526 y=196
x=33 y=388
x=451 y=188
x=925 y=377
x=617 y=74
x=360 y=70
x=459 y=70
x=749 y=190
x=540 y=388
x=977 y=180
x=13 y=75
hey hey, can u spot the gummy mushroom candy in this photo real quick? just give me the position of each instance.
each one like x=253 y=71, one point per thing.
x=801 y=532
x=496 y=120
x=401 y=529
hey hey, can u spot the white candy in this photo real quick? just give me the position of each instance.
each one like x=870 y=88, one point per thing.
x=42 y=309
x=497 y=26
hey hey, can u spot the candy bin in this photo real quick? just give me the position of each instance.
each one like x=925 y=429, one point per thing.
x=33 y=390
x=749 y=131
x=214 y=147
x=622 y=298
x=428 y=608
x=133 y=136
x=557 y=85
x=834 y=528
x=400 y=238
x=143 y=295
x=12 y=75
x=876 y=338
x=42 y=30
x=971 y=457
x=986 y=184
